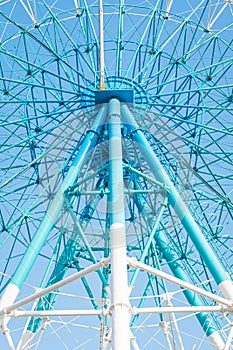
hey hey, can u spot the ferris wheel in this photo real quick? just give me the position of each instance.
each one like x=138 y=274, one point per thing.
x=116 y=125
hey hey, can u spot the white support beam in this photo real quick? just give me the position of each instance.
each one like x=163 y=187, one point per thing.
x=178 y=309
x=26 y=334
x=28 y=9
x=77 y=7
x=6 y=332
x=56 y=286
x=134 y=263
x=210 y=24
x=51 y=313
x=168 y=7
x=229 y=339
x=134 y=342
x=107 y=340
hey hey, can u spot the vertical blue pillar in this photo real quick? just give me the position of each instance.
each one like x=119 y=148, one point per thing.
x=119 y=279
x=116 y=196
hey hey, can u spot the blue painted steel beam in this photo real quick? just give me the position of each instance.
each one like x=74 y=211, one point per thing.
x=119 y=278
x=69 y=256
x=140 y=204
x=162 y=242
x=54 y=209
x=176 y=201
x=116 y=195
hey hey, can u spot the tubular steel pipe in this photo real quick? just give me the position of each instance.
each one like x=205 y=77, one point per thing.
x=120 y=308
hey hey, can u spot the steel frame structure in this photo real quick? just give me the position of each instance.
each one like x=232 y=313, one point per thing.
x=124 y=176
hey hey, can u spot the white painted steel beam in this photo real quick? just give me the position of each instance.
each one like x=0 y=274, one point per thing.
x=179 y=309
x=120 y=308
x=134 y=263
x=56 y=286
x=53 y=313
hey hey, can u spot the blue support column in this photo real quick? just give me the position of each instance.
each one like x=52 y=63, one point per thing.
x=162 y=242
x=120 y=299
x=179 y=206
x=116 y=196
x=53 y=211
x=69 y=256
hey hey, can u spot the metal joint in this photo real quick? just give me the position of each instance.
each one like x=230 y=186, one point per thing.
x=105 y=262
x=114 y=115
x=132 y=132
x=132 y=262
x=93 y=131
x=112 y=307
